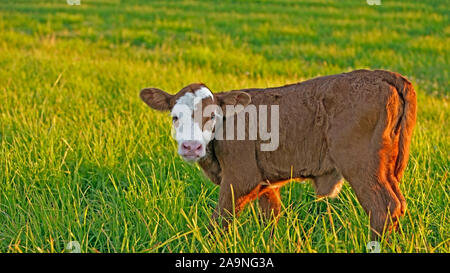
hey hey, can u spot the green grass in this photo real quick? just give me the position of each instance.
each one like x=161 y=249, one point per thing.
x=83 y=159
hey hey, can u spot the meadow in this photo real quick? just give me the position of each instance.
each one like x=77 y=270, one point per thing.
x=83 y=159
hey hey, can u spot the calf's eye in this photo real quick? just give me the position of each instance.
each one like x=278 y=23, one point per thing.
x=174 y=118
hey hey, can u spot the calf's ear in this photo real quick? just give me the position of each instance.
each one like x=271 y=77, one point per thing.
x=156 y=98
x=234 y=98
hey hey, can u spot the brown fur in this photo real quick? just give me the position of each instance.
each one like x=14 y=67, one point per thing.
x=355 y=125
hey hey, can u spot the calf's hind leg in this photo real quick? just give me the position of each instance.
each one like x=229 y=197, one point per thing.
x=368 y=178
x=378 y=200
x=363 y=145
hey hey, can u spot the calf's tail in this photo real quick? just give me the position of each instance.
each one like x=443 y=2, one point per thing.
x=407 y=119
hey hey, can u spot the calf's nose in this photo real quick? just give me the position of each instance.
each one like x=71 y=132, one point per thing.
x=191 y=146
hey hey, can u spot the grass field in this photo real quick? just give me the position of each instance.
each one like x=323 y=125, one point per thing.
x=83 y=159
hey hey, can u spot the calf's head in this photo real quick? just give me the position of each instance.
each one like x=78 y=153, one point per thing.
x=196 y=114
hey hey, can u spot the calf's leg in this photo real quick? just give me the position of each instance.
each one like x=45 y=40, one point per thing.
x=363 y=144
x=270 y=203
x=378 y=200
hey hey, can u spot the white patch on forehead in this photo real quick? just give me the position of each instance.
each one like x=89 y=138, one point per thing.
x=192 y=99
x=187 y=99
x=183 y=109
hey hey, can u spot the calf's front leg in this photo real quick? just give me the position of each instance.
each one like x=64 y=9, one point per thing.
x=227 y=201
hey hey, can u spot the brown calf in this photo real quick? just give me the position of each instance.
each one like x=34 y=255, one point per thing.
x=355 y=125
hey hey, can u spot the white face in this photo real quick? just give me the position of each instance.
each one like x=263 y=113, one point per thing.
x=188 y=129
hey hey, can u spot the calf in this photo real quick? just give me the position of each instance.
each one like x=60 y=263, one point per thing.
x=355 y=125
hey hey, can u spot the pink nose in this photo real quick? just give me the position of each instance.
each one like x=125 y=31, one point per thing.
x=191 y=147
